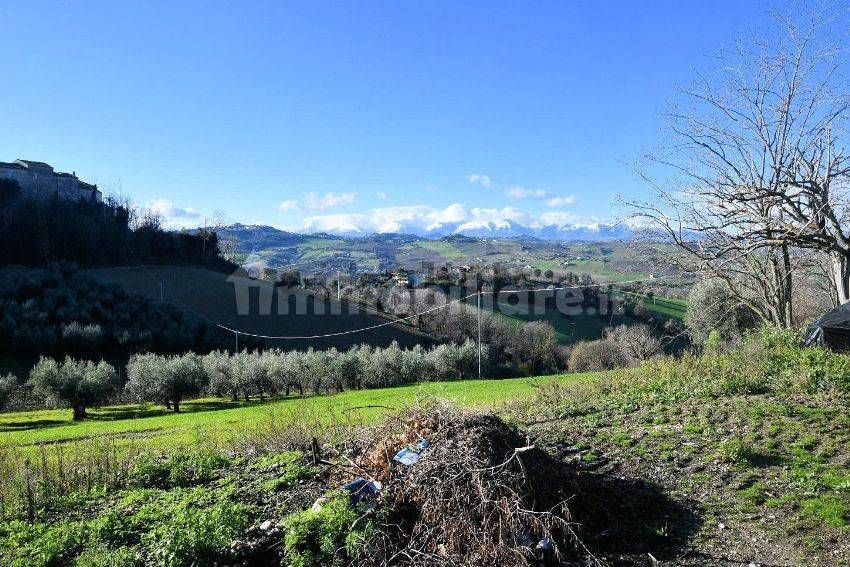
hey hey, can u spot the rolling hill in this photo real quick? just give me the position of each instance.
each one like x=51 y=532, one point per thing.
x=212 y=296
x=262 y=246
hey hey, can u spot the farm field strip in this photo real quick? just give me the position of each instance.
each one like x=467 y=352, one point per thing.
x=216 y=418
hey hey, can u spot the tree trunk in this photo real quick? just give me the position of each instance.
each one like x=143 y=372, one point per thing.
x=787 y=288
x=79 y=413
x=176 y=404
x=841 y=276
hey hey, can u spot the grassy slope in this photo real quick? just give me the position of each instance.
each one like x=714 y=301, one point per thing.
x=667 y=306
x=210 y=294
x=569 y=329
x=209 y=419
x=766 y=475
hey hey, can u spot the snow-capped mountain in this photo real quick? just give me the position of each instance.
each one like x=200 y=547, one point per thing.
x=266 y=236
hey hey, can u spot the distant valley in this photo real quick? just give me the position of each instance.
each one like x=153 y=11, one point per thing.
x=605 y=257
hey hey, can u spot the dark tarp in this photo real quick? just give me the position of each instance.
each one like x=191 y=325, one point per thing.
x=832 y=330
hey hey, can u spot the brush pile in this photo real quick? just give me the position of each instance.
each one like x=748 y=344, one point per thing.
x=480 y=494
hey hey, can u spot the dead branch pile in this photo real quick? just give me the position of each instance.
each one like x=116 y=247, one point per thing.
x=480 y=495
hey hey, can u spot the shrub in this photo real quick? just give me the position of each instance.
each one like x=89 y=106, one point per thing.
x=534 y=347
x=79 y=385
x=637 y=342
x=595 y=356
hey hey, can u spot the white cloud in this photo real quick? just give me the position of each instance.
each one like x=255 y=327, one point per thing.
x=382 y=195
x=386 y=219
x=559 y=218
x=313 y=202
x=165 y=208
x=561 y=201
x=414 y=218
x=172 y=216
x=480 y=179
x=503 y=214
x=517 y=192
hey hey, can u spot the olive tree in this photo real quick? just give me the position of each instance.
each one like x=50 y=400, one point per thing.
x=8 y=384
x=713 y=309
x=167 y=380
x=251 y=374
x=220 y=370
x=315 y=369
x=284 y=370
x=344 y=369
x=75 y=384
x=416 y=365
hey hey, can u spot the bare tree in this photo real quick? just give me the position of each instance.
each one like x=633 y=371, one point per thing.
x=744 y=199
x=229 y=247
x=804 y=94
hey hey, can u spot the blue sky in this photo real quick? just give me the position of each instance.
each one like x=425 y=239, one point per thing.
x=322 y=115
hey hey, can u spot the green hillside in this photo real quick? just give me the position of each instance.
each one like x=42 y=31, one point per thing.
x=569 y=329
x=320 y=253
x=666 y=306
x=209 y=294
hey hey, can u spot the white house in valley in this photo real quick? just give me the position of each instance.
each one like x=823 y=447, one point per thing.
x=39 y=180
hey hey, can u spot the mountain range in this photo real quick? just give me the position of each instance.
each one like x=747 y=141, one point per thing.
x=262 y=236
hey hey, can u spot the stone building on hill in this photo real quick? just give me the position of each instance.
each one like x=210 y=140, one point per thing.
x=39 y=180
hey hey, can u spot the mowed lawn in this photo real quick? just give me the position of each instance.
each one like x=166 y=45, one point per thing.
x=215 y=420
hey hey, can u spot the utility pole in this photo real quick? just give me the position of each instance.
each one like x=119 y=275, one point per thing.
x=479 y=334
x=237 y=341
x=338 y=289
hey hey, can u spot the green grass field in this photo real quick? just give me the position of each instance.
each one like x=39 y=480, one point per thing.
x=570 y=329
x=667 y=306
x=215 y=420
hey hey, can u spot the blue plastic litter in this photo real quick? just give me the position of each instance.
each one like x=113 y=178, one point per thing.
x=545 y=545
x=422 y=444
x=407 y=457
x=362 y=489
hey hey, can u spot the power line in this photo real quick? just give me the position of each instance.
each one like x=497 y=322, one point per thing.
x=349 y=332
x=238 y=332
x=402 y=319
